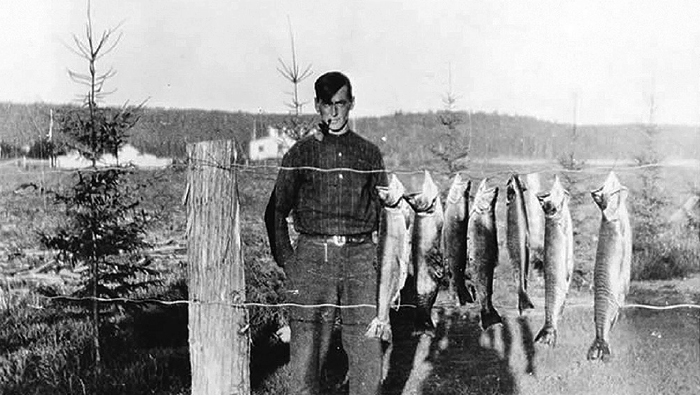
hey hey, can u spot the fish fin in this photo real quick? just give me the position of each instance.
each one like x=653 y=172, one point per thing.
x=489 y=318
x=470 y=295
x=600 y=349
x=396 y=301
x=614 y=319
x=379 y=329
x=466 y=294
x=524 y=302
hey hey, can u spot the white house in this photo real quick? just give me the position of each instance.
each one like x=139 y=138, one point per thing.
x=272 y=146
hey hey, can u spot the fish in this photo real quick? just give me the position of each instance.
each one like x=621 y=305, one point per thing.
x=535 y=219
x=454 y=239
x=392 y=255
x=558 y=258
x=613 y=262
x=518 y=238
x=482 y=250
x=426 y=255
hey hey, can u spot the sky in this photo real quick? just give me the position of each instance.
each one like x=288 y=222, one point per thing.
x=589 y=61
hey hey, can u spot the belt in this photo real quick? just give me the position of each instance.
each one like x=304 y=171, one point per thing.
x=341 y=240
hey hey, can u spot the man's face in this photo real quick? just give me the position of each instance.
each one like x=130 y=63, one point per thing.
x=336 y=112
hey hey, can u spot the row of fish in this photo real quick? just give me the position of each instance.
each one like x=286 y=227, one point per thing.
x=421 y=241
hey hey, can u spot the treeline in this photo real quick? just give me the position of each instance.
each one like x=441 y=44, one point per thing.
x=405 y=138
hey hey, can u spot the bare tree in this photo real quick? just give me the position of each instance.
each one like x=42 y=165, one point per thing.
x=295 y=126
x=568 y=160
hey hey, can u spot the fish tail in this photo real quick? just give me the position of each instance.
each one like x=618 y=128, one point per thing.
x=547 y=336
x=466 y=293
x=524 y=301
x=490 y=317
x=467 y=290
x=379 y=329
x=600 y=349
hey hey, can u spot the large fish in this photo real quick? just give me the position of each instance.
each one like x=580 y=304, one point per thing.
x=535 y=219
x=482 y=250
x=426 y=255
x=392 y=255
x=517 y=238
x=558 y=258
x=611 y=275
x=454 y=238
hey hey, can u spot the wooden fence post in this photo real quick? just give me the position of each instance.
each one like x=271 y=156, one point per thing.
x=218 y=332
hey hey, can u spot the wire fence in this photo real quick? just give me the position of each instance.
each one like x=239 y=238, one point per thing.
x=331 y=305
x=511 y=168
x=584 y=173
x=12 y=168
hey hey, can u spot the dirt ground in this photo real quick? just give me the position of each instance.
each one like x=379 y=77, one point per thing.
x=654 y=352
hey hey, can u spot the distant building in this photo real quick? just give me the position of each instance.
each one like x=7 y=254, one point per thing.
x=128 y=154
x=272 y=146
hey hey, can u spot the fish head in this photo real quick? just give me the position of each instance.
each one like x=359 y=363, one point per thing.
x=485 y=198
x=459 y=189
x=514 y=188
x=610 y=196
x=424 y=201
x=554 y=201
x=391 y=195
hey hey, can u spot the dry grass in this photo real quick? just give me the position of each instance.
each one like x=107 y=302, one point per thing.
x=150 y=354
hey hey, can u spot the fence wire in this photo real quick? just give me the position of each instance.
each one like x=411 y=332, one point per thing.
x=511 y=169
x=321 y=305
x=591 y=170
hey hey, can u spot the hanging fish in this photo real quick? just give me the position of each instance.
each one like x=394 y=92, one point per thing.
x=426 y=255
x=558 y=258
x=613 y=262
x=482 y=250
x=518 y=238
x=392 y=255
x=454 y=238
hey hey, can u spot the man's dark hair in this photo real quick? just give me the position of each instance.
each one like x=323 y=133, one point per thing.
x=329 y=84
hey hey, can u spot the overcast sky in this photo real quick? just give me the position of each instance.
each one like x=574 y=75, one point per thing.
x=517 y=57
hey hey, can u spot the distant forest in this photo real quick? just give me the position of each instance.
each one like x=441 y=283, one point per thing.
x=404 y=138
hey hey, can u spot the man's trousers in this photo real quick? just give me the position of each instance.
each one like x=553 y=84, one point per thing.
x=322 y=272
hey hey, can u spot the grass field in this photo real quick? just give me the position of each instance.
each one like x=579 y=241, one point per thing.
x=653 y=352
x=45 y=347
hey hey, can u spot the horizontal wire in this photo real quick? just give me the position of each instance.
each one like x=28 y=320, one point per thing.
x=320 y=305
x=669 y=307
x=248 y=167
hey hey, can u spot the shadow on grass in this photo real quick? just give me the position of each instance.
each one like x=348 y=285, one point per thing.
x=400 y=353
x=463 y=359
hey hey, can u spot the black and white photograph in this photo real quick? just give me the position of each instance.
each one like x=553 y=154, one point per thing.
x=396 y=197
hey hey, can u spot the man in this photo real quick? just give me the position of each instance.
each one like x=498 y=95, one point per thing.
x=327 y=181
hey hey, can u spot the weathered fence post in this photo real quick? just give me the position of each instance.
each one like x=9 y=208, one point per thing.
x=218 y=331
